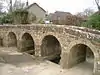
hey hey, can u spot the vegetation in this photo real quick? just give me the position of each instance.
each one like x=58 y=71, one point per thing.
x=20 y=16
x=7 y=18
x=93 y=21
x=41 y=21
x=97 y=3
x=16 y=13
x=17 y=17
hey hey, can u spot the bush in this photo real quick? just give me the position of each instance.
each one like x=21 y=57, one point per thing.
x=7 y=19
x=23 y=17
x=20 y=16
x=93 y=21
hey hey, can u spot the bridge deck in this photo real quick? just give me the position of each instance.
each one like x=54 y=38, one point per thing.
x=81 y=32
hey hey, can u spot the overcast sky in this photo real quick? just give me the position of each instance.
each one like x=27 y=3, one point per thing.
x=72 y=6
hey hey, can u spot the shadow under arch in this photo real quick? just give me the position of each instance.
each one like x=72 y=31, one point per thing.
x=51 y=48
x=82 y=54
x=84 y=42
x=27 y=44
x=79 y=53
x=12 y=39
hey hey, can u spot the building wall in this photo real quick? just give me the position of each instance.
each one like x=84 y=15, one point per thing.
x=37 y=11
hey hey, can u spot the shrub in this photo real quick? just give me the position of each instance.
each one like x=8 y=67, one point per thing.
x=20 y=16
x=7 y=19
x=93 y=21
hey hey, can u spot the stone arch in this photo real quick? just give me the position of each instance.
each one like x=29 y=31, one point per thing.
x=51 y=48
x=77 y=53
x=12 y=39
x=85 y=42
x=27 y=44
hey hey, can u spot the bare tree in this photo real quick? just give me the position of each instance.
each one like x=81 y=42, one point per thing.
x=88 y=12
x=18 y=5
x=97 y=3
x=1 y=6
x=80 y=14
x=8 y=7
x=12 y=5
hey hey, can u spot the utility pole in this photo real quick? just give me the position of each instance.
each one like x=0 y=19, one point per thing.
x=27 y=3
x=10 y=5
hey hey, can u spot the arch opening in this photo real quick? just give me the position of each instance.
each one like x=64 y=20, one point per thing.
x=12 y=40
x=81 y=56
x=51 y=49
x=27 y=44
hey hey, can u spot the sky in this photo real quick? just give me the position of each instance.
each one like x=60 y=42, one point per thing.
x=72 y=6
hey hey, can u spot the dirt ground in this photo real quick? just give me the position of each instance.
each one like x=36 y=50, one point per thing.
x=15 y=63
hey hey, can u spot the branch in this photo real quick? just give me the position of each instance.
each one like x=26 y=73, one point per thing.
x=97 y=3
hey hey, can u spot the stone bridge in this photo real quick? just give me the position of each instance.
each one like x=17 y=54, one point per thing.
x=70 y=44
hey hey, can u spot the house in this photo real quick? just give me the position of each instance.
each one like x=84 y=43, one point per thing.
x=38 y=11
x=58 y=17
x=66 y=18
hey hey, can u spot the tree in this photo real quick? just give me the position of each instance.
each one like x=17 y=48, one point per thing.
x=80 y=14
x=8 y=7
x=1 y=7
x=88 y=12
x=18 y=5
x=93 y=21
x=97 y=3
x=13 y=5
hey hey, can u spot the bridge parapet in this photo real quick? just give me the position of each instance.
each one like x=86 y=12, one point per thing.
x=80 y=32
x=52 y=26
x=85 y=33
